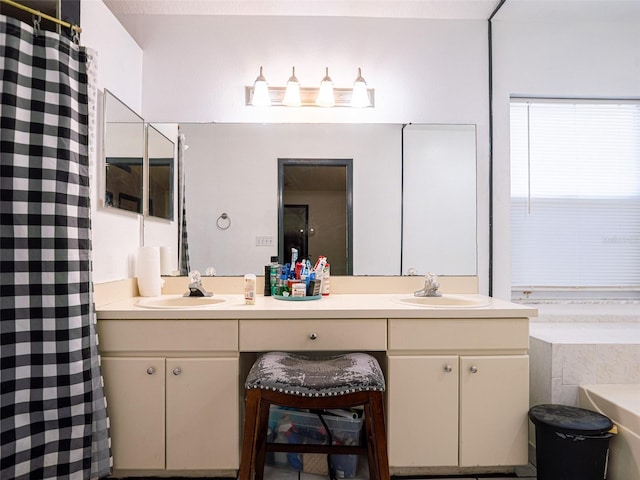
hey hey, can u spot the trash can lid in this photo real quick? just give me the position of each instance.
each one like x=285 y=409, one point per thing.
x=567 y=419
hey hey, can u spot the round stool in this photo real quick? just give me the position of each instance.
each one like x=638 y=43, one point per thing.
x=316 y=383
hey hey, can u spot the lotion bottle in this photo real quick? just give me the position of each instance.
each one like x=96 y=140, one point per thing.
x=250 y=289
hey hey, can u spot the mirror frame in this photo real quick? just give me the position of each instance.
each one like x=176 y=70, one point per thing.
x=313 y=162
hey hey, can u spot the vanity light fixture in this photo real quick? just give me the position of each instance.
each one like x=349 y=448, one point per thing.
x=294 y=95
x=260 y=97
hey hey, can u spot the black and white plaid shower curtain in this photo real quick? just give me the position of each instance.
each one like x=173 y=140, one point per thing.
x=183 y=243
x=53 y=417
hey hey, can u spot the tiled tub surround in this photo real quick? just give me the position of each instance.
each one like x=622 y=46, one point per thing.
x=572 y=345
x=587 y=344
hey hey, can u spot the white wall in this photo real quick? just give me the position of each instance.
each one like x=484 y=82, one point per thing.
x=195 y=69
x=115 y=234
x=558 y=59
x=423 y=71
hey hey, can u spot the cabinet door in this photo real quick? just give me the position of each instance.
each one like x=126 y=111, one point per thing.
x=494 y=401
x=423 y=411
x=202 y=413
x=134 y=388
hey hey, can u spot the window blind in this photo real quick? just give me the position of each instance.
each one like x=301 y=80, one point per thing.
x=575 y=195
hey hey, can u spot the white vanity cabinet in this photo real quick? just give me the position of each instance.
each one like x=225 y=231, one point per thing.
x=460 y=386
x=172 y=393
x=456 y=378
x=134 y=388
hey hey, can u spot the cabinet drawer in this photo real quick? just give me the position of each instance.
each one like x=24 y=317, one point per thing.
x=458 y=334
x=167 y=335
x=313 y=334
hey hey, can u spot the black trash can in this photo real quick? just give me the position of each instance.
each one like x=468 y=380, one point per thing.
x=571 y=443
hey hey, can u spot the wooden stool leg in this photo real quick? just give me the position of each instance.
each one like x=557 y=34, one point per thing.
x=376 y=438
x=262 y=432
x=251 y=412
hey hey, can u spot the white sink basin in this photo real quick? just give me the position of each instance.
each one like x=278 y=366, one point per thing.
x=180 y=302
x=447 y=301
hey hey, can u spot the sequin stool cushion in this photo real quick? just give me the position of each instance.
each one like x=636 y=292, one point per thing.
x=305 y=375
x=314 y=382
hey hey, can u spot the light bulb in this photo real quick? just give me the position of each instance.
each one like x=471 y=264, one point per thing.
x=325 y=95
x=292 y=93
x=359 y=94
x=261 y=96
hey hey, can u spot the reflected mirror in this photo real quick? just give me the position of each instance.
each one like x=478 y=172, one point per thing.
x=232 y=169
x=160 y=151
x=123 y=154
x=315 y=211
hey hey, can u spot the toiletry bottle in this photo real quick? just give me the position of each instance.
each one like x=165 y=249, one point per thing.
x=280 y=282
x=267 y=281
x=298 y=270
x=326 y=279
x=250 y=289
x=273 y=275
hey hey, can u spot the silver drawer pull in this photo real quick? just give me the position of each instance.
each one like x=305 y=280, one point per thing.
x=473 y=369
x=448 y=368
x=313 y=336
x=151 y=371
x=177 y=371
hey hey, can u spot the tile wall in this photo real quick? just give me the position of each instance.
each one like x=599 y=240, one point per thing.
x=564 y=355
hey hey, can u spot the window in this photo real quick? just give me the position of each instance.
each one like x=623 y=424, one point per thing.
x=575 y=199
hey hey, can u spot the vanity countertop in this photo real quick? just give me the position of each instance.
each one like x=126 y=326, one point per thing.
x=331 y=306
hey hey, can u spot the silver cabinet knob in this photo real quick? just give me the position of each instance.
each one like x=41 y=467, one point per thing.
x=151 y=371
x=313 y=336
x=473 y=369
x=448 y=368
x=177 y=371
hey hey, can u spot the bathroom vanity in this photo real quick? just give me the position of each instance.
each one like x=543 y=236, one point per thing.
x=457 y=376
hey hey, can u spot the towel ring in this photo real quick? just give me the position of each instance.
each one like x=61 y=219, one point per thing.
x=223 y=222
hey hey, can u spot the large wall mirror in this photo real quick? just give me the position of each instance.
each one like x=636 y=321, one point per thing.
x=124 y=147
x=425 y=222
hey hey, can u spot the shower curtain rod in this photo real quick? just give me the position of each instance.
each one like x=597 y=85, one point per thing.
x=42 y=15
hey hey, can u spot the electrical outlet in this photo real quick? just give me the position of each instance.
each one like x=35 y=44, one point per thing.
x=264 y=241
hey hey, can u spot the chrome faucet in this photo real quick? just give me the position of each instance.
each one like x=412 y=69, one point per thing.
x=430 y=288
x=196 y=289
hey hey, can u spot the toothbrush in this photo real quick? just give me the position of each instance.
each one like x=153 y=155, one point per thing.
x=294 y=258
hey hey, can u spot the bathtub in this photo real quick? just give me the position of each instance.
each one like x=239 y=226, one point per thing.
x=621 y=403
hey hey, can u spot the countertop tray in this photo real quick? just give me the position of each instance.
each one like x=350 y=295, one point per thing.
x=297 y=299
